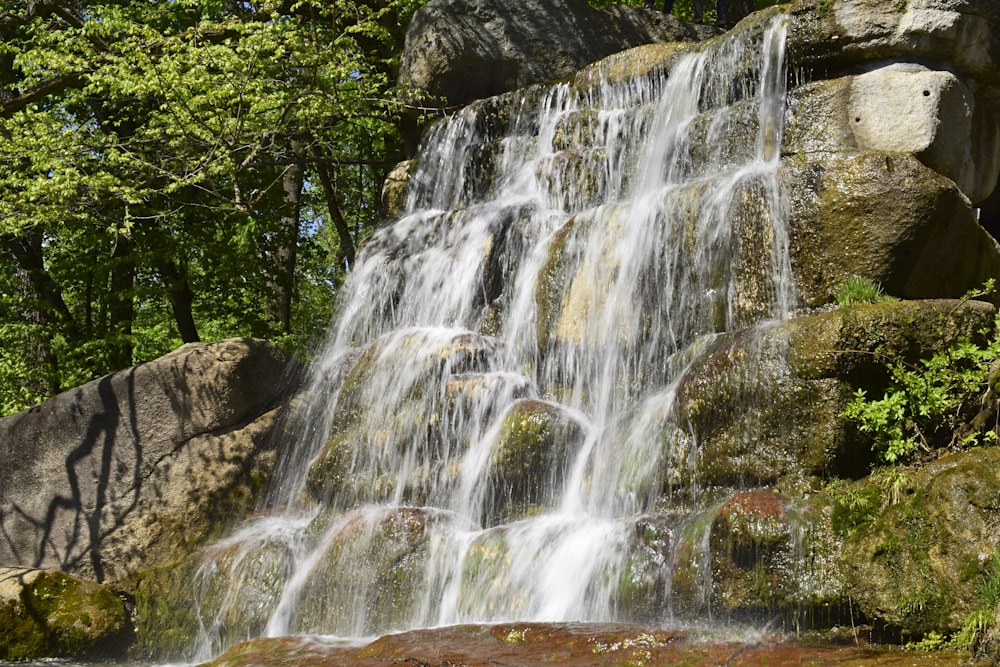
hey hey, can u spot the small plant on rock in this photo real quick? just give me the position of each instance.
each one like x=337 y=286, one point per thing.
x=949 y=401
x=861 y=290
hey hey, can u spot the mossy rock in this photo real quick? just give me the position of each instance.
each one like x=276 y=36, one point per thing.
x=765 y=404
x=856 y=343
x=368 y=579
x=49 y=614
x=758 y=557
x=771 y=557
x=914 y=565
x=168 y=622
x=644 y=578
x=753 y=419
x=530 y=458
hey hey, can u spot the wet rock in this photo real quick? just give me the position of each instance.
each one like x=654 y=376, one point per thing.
x=394 y=403
x=530 y=458
x=756 y=557
x=768 y=557
x=395 y=187
x=721 y=280
x=644 y=579
x=376 y=556
x=49 y=614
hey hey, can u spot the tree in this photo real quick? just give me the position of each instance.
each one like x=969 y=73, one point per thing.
x=172 y=170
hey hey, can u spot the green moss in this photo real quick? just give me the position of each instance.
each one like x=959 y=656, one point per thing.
x=168 y=623
x=911 y=564
x=529 y=457
x=60 y=616
x=854 y=504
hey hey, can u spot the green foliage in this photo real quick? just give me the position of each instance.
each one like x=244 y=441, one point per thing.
x=939 y=402
x=160 y=174
x=861 y=290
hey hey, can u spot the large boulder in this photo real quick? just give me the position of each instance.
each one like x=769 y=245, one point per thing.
x=901 y=108
x=843 y=34
x=49 y=614
x=919 y=547
x=893 y=101
x=887 y=217
x=462 y=50
x=112 y=477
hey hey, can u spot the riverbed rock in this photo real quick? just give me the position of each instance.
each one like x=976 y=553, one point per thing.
x=458 y=51
x=49 y=614
x=114 y=476
x=570 y=645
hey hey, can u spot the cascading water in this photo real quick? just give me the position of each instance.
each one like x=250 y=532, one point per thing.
x=489 y=427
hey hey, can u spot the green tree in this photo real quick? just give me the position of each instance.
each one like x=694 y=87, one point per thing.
x=172 y=170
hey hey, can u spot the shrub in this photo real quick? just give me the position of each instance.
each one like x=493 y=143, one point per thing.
x=949 y=400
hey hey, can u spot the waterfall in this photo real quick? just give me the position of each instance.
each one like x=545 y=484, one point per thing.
x=487 y=434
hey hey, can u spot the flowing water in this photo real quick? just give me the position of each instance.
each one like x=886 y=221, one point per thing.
x=488 y=431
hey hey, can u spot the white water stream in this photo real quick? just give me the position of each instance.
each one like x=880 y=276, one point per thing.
x=552 y=280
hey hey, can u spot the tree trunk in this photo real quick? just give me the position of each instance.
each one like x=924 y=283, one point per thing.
x=282 y=285
x=41 y=379
x=181 y=299
x=26 y=248
x=121 y=309
x=347 y=248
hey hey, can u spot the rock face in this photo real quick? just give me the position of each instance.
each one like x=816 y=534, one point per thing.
x=891 y=140
x=112 y=476
x=48 y=614
x=458 y=51
x=919 y=77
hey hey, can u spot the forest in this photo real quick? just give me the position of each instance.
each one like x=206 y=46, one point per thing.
x=187 y=170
